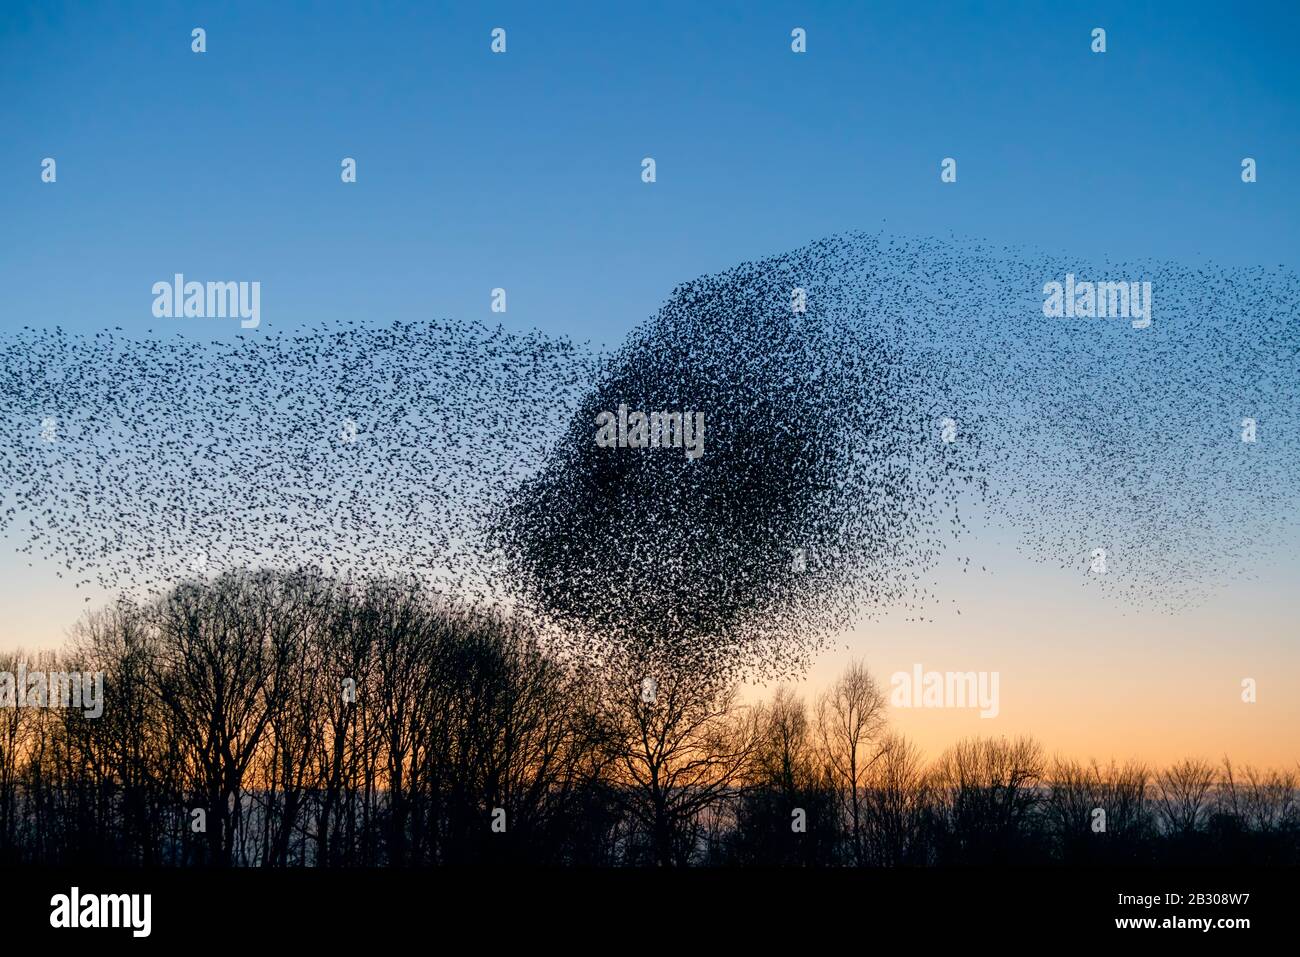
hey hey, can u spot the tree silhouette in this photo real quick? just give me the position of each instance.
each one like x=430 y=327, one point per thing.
x=293 y=720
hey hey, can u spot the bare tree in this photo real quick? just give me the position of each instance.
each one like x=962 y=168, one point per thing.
x=212 y=673
x=678 y=752
x=1183 y=793
x=850 y=722
x=787 y=815
x=326 y=723
x=896 y=804
x=14 y=729
x=1267 y=802
x=985 y=794
x=1076 y=792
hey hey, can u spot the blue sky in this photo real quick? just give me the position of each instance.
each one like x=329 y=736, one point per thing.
x=523 y=170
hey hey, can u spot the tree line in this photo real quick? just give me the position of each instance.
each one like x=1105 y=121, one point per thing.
x=290 y=720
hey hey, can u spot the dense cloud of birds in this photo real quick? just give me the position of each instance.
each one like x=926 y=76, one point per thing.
x=845 y=446
x=359 y=451
x=820 y=490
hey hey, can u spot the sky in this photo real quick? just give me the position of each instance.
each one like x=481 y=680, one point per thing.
x=523 y=171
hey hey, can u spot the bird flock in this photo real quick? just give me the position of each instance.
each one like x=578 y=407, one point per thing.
x=136 y=463
x=862 y=397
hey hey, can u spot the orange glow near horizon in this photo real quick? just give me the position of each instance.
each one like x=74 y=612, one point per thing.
x=1084 y=676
